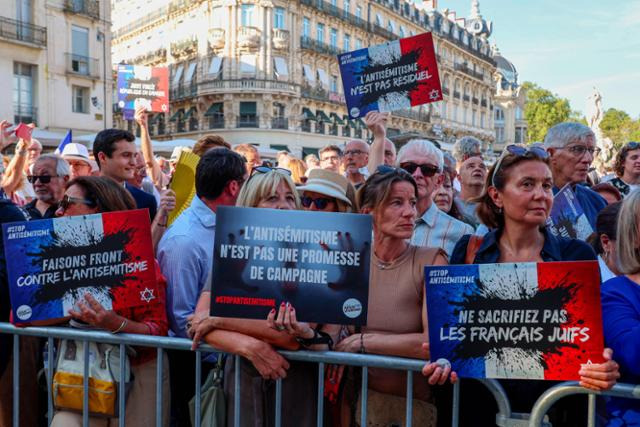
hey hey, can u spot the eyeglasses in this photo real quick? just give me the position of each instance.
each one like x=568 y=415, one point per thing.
x=44 y=179
x=426 y=170
x=353 y=152
x=331 y=158
x=320 y=202
x=68 y=201
x=518 y=151
x=266 y=169
x=579 y=150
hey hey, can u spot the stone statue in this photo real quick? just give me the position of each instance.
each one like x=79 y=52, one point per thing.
x=594 y=115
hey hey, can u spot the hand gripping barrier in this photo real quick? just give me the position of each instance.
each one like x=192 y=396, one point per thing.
x=364 y=361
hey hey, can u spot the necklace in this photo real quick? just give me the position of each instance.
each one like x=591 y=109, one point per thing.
x=383 y=265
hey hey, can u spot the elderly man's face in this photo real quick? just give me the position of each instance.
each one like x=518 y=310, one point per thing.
x=52 y=190
x=571 y=163
x=427 y=183
x=33 y=152
x=473 y=172
x=356 y=156
x=389 y=153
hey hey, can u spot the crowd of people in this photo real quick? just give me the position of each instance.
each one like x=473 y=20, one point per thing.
x=428 y=207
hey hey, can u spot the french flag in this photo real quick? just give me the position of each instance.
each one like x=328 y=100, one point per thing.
x=65 y=141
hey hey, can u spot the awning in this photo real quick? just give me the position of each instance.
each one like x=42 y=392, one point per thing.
x=337 y=119
x=280 y=67
x=306 y=151
x=248 y=64
x=322 y=117
x=192 y=112
x=177 y=115
x=216 y=65
x=361 y=124
x=323 y=77
x=279 y=147
x=178 y=75
x=214 y=109
x=308 y=115
x=190 y=72
x=248 y=108
x=308 y=74
x=152 y=120
x=351 y=123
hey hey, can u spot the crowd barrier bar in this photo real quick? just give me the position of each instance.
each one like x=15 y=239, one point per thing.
x=568 y=388
x=168 y=343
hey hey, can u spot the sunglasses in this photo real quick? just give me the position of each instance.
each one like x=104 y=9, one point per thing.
x=320 y=202
x=518 y=151
x=632 y=145
x=44 y=179
x=266 y=169
x=68 y=201
x=426 y=170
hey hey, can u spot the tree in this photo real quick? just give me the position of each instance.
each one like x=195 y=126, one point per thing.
x=543 y=110
x=620 y=127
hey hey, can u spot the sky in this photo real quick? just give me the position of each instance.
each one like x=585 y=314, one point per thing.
x=569 y=46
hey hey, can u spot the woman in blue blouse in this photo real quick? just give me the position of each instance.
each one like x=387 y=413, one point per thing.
x=515 y=205
x=621 y=311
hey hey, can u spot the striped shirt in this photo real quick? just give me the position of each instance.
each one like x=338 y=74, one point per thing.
x=436 y=229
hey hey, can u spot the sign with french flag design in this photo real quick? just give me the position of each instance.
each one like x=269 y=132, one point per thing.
x=395 y=75
x=52 y=263
x=518 y=321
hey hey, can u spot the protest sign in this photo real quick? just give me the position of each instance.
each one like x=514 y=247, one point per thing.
x=525 y=320
x=143 y=86
x=183 y=183
x=52 y=263
x=567 y=218
x=317 y=261
x=391 y=76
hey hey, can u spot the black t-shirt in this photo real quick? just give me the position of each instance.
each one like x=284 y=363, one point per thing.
x=8 y=213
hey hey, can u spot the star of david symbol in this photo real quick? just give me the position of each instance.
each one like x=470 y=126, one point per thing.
x=434 y=94
x=147 y=295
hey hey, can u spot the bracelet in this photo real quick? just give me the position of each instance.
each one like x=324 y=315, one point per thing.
x=319 y=337
x=121 y=327
x=22 y=152
x=362 y=349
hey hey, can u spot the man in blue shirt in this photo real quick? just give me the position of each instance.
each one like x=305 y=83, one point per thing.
x=572 y=147
x=185 y=254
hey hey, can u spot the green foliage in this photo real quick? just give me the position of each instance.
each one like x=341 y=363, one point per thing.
x=543 y=110
x=620 y=127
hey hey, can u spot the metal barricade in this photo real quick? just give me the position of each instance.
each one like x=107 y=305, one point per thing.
x=568 y=388
x=322 y=358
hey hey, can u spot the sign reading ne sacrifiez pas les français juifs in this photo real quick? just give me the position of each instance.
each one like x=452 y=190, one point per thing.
x=317 y=261
x=391 y=76
x=525 y=320
x=53 y=263
x=143 y=86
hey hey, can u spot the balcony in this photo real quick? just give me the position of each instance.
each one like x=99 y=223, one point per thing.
x=382 y=32
x=456 y=94
x=247 y=121
x=151 y=58
x=310 y=44
x=421 y=116
x=25 y=114
x=217 y=38
x=216 y=121
x=475 y=100
x=208 y=86
x=184 y=49
x=23 y=32
x=249 y=37
x=336 y=12
x=445 y=90
x=280 y=38
x=483 y=103
x=279 y=123
x=183 y=91
x=468 y=71
x=90 y=8
x=82 y=66
x=466 y=98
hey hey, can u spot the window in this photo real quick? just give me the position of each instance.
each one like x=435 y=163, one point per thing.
x=215 y=67
x=278 y=18
x=334 y=3
x=402 y=33
x=455 y=113
x=358 y=44
x=359 y=12
x=279 y=121
x=215 y=115
x=323 y=78
x=499 y=114
x=346 y=43
x=23 y=92
x=499 y=134
x=308 y=74
x=191 y=70
x=379 y=20
x=248 y=65
x=79 y=50
x=482 y=119
x=391 y=26
x=334 y=84
x=24 y=14
x=80 y=102
x=518 y=113
x=306 y=27
x=346 y=6
x=473 y=118
x=333 y=37
x=247 y=15
x=520 y=135
x=320 y=33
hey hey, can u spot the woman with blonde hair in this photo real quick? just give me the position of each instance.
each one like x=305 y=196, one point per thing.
x=621 y=309
x=298 y=170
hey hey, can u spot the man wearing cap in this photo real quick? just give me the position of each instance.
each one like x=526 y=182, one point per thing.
x=77 y=156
